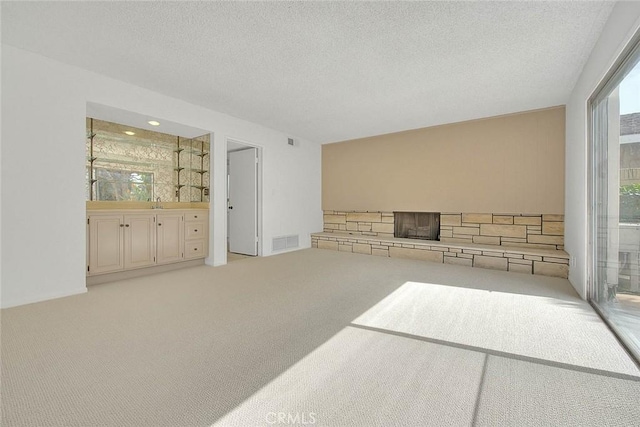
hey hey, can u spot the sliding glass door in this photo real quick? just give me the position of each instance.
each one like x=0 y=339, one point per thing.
x=615 y=201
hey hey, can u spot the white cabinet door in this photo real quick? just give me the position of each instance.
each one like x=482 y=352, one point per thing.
x=139 y=240
x=106 y=243
x=170 y=237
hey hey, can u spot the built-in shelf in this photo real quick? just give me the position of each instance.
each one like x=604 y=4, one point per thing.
x=92 y=170
x=190 y=161
x=160 y=165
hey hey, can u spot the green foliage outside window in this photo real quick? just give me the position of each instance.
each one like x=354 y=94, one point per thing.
x=630 y=203
x=120 y=185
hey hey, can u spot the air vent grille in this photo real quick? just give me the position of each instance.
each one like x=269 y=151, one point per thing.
x=285 y=242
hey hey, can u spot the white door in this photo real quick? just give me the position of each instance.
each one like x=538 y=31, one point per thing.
x=243 y=202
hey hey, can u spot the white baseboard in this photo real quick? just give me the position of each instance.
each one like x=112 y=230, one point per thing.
x=41 y=297
x=130 y=274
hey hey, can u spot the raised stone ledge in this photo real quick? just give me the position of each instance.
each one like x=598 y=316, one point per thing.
x=545 y=262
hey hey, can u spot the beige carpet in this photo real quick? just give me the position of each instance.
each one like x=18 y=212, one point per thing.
x=334 y=338
x=231 y=257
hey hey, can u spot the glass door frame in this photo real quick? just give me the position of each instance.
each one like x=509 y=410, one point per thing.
x=625 y=62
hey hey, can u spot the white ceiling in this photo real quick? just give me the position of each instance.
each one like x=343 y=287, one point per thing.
x=326 y=71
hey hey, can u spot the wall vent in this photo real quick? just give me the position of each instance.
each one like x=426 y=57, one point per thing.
x=292 y=241
x=284 y=242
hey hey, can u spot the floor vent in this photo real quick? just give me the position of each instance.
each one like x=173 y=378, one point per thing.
x=284 y=242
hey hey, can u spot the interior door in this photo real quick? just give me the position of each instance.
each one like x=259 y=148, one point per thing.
x=243 y=202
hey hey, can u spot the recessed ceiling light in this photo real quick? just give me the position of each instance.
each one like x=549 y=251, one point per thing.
x=128 y=132
x=153 y=123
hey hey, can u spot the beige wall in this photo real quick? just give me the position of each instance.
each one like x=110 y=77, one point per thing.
x=506 y=164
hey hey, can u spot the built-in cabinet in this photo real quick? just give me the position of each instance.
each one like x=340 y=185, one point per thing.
x=106 y=243
x=133 y=239
x=139 y=240
x=170 y=231
x=195 y=235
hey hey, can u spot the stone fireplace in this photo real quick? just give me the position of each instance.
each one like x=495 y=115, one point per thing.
x=534 y=231
x=521 y=243
x=416 y=225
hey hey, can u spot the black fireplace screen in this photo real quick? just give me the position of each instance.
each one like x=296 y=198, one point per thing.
x=417 y=225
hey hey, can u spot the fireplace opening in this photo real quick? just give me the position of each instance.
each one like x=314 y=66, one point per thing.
x=417 y=225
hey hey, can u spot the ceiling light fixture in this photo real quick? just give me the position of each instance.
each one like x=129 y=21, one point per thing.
x=153 y=123
x=128 y=132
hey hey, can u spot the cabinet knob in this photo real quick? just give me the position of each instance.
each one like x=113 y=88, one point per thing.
x=195 y=216
x=196 y=230
x=159 y=224
x=195 y=249
x=126 y=225
x=121 y=225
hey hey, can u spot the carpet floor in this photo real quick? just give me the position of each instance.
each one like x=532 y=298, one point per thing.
x=317 y=337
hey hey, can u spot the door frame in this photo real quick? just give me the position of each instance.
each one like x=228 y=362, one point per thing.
x=259 y=176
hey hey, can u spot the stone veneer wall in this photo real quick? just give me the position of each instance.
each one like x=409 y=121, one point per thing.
x=520 y=260
x=520 y=230
x=530 y=244
x=359 y=223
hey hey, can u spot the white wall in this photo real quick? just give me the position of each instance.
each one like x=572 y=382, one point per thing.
x=0 y=162
x=43 y=172
x=623 y=22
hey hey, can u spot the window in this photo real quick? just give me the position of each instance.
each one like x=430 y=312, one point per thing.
x=119 y=185
x=615 y=201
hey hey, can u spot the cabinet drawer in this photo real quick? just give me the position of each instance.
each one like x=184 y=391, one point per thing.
x=194 y=249
x=194 y=230
x=195 y=216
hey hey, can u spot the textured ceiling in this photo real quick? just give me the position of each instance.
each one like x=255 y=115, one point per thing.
x=326 y=71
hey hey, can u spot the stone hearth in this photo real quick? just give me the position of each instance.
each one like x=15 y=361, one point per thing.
x=524 y=243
